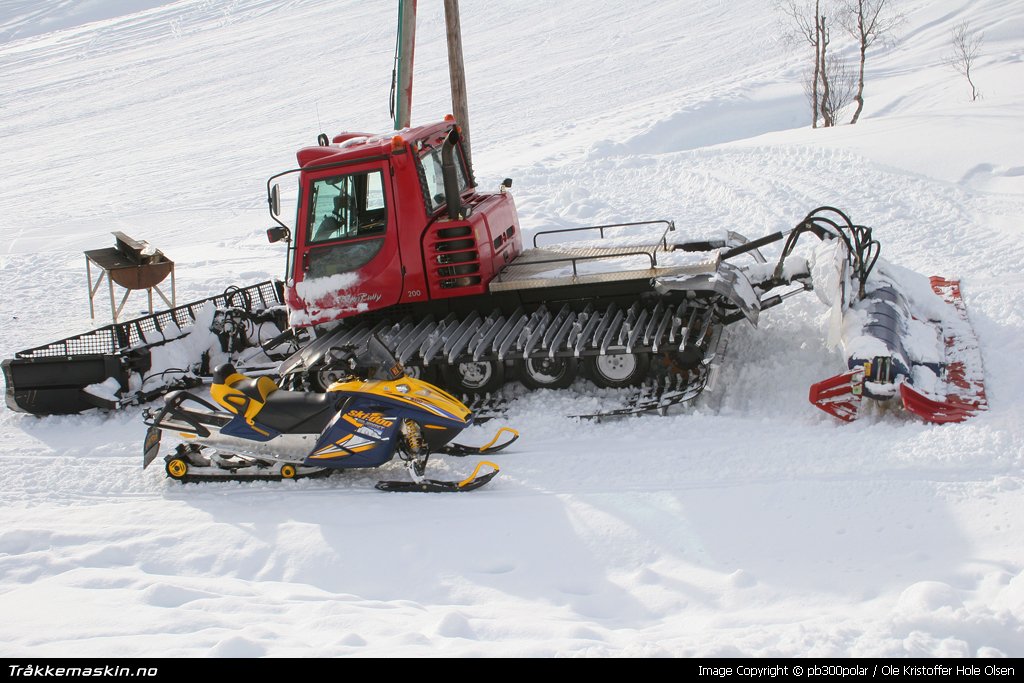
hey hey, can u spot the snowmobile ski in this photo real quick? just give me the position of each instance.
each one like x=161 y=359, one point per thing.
x=473 y=481
x=492 y=446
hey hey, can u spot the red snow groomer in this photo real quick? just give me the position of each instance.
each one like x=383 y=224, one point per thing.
x=393 y=237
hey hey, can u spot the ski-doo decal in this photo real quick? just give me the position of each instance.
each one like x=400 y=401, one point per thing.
x=346 y=445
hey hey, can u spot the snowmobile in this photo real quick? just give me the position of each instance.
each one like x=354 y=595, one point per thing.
x=264 y=432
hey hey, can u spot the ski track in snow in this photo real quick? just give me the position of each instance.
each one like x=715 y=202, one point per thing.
x=746 y=524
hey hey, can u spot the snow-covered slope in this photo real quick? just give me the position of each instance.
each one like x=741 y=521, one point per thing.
x=748 y=524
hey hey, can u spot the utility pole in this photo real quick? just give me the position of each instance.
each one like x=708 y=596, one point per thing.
x=403 y=63
x=457 y=73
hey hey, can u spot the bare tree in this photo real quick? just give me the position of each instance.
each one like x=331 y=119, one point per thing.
x=868 y=21
x=822 y=70
x=808 y=24
x=842 y=81
x=966 y=48
x=842 y=84
x=804 y=28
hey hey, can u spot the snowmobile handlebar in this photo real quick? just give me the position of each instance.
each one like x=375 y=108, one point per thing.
x=347 y=353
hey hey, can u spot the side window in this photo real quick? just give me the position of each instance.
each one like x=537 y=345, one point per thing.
x=434 y=177
x=346 y=207
x=374 y=193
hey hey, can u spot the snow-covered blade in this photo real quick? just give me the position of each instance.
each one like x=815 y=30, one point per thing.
x=923 y=350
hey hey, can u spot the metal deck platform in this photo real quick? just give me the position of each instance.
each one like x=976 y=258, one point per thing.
x=564 y=265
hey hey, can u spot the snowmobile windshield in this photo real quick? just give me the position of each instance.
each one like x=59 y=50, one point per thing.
x=380 y=359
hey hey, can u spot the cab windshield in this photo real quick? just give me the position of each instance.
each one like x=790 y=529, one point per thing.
x=348 y=218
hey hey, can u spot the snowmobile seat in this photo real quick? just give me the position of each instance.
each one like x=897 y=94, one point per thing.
x=258 y=400
x=238 y=393
x=298 y=412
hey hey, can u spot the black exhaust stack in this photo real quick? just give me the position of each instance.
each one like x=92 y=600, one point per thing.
x=451 y=178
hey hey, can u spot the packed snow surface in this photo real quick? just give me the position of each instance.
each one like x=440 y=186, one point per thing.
x=749 y=523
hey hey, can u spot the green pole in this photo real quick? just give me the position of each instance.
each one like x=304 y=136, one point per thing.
x=404 y=58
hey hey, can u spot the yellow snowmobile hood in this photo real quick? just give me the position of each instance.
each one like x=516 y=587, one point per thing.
x=411 y=391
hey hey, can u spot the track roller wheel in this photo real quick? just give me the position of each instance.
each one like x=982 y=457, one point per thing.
x=547 y=373
x=474 y=377
x=426 y=374
x=287 y=471
x=325 y=374
x=618 y=369
x=176 y=468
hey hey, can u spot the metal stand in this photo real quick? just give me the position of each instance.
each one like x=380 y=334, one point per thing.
x=132 y=265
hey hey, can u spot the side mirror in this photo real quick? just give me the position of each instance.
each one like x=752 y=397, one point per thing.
x=506 y=185
x=275 y=201
x=277 y=233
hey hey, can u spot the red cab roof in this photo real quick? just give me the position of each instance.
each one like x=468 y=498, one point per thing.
x=353 y=146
